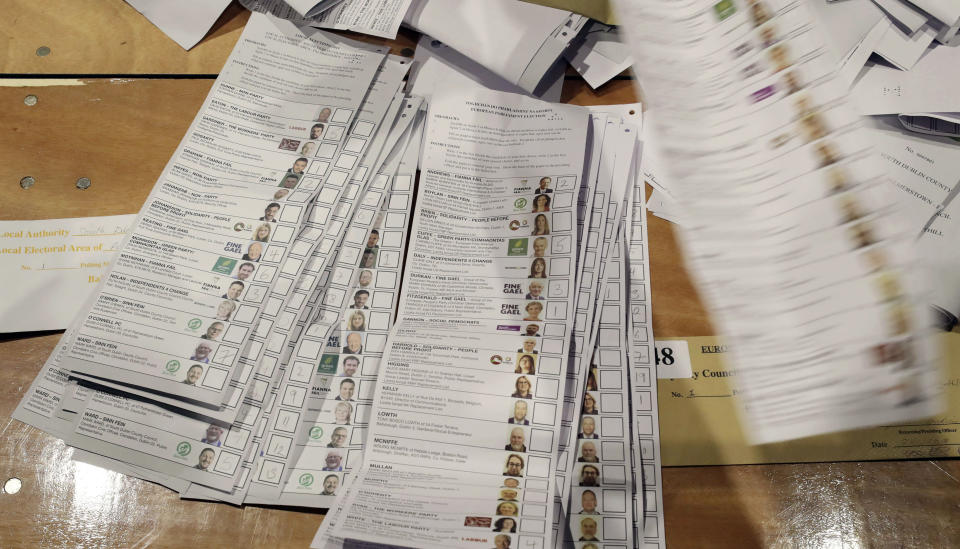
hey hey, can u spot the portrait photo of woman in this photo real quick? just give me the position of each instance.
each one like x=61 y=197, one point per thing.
x=262 y=233
x=540 y=225
x=538 y=269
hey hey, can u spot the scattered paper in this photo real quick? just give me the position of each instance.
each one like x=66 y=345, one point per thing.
x=49 y=267
x=184 y=21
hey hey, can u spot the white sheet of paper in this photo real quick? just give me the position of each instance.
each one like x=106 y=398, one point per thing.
x=601 y=57
x=50 y=266
x=437 y=64
x=184 y=21
x=904 y=50
x=504 y=36
x=903 y=13
x=930 y=86
x=947 y=11
x=846 y=23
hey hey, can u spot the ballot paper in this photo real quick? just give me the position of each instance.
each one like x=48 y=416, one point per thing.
x=938 y=251
x=793 y=236
x=374 y=17
x=459 y=327
x=924 y=169
x=185 y=21
x=520 y=42
x=175 y=311
x=50 y=267
x=644 y=402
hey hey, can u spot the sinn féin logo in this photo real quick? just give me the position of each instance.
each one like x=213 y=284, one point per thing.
x=183 y=449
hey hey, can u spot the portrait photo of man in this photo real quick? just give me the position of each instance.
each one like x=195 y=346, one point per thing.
x=330 y=485
x=202 y=353
x=543 y=187
x=540 y=246
x=517 y=439
x=519 y=416
x=213 y=331
x=354 y=344
x=193 y=374
x=234 y=290
x=270 y=212
x=349 y=366
x=373 y=240
x=245 y=270
x=299 y=165
x=289 y=181
x=588 y=453
x=529 y=346
x=213 y=434
x=535 y=290
x=589 y=476
x=514 y=466
x=333 y=462
x=588 y=530
x=205 y=460
x=338 y=438
x=360 y=299
x=347 y=388
x=588 y=503
x=365 y=278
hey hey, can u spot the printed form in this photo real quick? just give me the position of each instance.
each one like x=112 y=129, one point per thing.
x=465 y=421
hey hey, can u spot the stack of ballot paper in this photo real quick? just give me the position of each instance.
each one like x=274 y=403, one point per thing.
x=292 y=320
x=791 y=226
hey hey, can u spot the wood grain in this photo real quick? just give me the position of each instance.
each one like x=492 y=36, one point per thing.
x=108 y=37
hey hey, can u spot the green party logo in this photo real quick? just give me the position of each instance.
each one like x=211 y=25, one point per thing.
x=517 y=247
x=194 y=323
x=183 y=449
x=305 y=480
x=327 y=364
x=520 y=203
x=224 y=265
x=316 y=432
x=172 y=366
x=724 y=9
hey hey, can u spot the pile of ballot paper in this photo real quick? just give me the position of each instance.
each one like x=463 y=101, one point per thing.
x=290 y=321
x=465 y=358
x=899 y=60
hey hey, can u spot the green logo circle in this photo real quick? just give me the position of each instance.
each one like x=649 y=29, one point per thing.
x=194 y=323
x=306 y=479
x=172 y=366
x=316 y=432
x=520 y=203
x=183 y=449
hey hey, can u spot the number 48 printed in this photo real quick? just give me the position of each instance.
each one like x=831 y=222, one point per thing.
x=672 y=358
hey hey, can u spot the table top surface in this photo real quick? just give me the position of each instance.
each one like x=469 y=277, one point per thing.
x=114 y=98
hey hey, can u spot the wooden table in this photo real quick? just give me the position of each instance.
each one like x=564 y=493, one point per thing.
x=115 y=97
